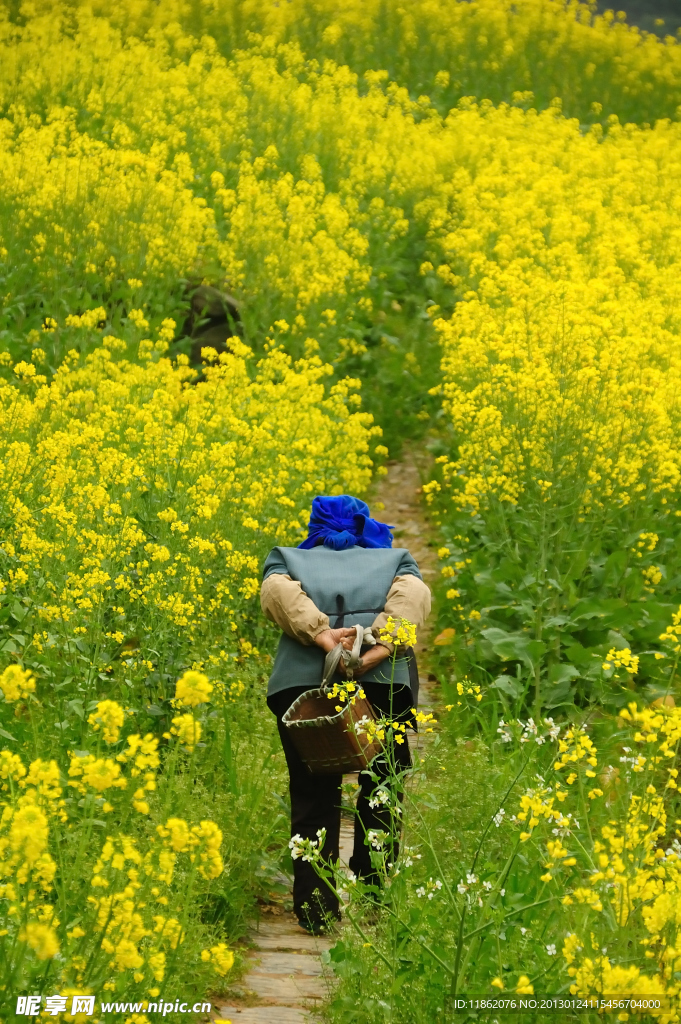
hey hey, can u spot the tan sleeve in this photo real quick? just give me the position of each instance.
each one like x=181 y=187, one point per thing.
x=408 y=598
x=284 y=601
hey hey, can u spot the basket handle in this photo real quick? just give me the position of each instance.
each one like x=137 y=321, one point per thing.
x=351 y=658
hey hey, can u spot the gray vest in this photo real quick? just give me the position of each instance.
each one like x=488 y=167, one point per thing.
x=350 y=587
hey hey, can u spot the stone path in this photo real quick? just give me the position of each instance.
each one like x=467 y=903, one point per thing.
x=287 y=982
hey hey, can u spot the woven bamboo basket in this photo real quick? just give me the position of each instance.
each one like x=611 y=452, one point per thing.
x=331 y=744
x=335 y=743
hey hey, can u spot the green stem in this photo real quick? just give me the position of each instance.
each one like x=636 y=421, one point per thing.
x=511 y=913
x=227 y=752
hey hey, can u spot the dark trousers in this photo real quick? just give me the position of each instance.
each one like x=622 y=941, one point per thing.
x=316 y=802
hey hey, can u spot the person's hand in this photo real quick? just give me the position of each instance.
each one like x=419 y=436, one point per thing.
x=329 y=638
x=373 y=657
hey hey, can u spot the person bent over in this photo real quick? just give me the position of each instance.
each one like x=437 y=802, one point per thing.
x=346 y=572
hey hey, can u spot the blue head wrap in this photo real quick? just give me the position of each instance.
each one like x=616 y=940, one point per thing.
x=343 y=522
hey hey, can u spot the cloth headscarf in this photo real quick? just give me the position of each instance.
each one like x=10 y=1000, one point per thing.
x=343 y=522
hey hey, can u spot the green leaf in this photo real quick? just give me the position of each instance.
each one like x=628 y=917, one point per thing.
x=596 y=608
x=18 y=611
x=507 y=684
x=535 y=650
x=514 y=646
x=77 y=707
x=557 y=694
x=154 y=709
x=563 y=673
x=557 y=620
x=617 y=641
x=576 y=652
x=7 y=735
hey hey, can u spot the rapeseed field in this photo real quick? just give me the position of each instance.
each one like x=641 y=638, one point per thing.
x=246 y=252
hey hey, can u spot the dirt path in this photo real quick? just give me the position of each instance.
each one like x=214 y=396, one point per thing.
x=287 y=981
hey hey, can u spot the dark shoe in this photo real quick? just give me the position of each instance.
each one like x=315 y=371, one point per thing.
x=313 y=927
x=317 y=925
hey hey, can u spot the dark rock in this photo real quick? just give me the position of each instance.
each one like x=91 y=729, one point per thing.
x=212 y=320
x=209 y=302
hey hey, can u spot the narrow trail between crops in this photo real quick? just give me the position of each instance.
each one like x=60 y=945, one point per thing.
x=287 y=981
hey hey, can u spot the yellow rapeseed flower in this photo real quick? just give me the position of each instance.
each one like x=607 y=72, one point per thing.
x=16 y=682
x=220 y=956
x=193 y=688
x=41 y=938
x=108 y=716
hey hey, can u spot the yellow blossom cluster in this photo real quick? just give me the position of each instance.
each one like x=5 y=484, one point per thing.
x=220 y=956
x=626 y=868
x=425 y=718
x=618 y=875
x=346 y=692
x=202 y=840
x=100 y=773
x=192 y=688
x=453 y=49
x=16 y=682
x=672 y=634
x=598 y=976
x=399 y=632
x=652 y=576
x=621 y=658
x=109 y=717
x=647 y=541
x=92 y=776
x=576 y=750
x=120 y=927
x=524 y=986
x=130 y=493
x=119 y=188
x=644 y=879
x=372 y=728
x=466 y=689
x=658 y=731
x=216 y=183
x=557 y=854
x=187 y=729
x=537 y=804
x=569 y=308
x=560 y=367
